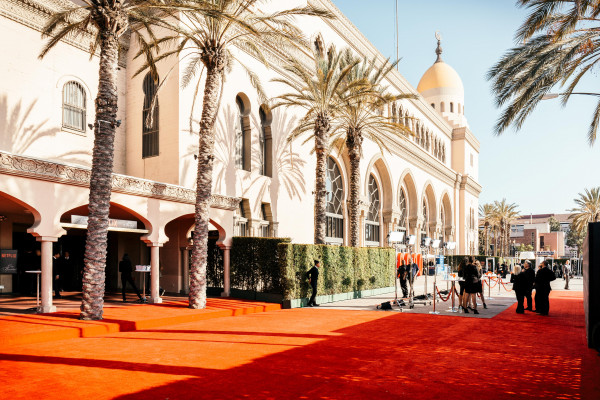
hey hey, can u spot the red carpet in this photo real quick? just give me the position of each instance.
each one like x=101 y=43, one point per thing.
x=325 y=354
x=35 y=328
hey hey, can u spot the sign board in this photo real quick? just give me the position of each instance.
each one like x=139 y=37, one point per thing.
x=142 y=268
x=544 y=253
x=8 y=261
x=112 y=223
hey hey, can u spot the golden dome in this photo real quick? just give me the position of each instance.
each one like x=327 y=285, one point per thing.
x=440 y=75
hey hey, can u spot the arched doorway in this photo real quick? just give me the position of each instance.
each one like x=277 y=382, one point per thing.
x=372 y=220
x=19 y=249
x=125 y=232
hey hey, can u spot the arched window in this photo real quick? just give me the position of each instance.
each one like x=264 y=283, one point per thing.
x=442 y=107
x=443 y=220
x=403 y=210
x=394 y=113
x=265 y=141
x=433 y=105
x=372 y=221
x=425 y=211
x=334 y=229
x=149 y=125
x=451 y=107
x=74 y=107
x=459 y=109
x=239 y=134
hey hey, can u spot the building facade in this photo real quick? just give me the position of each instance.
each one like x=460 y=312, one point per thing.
x=535 y=230
x=426 y=185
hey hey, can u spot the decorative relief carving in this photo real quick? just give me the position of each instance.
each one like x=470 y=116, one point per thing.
x=79 y=176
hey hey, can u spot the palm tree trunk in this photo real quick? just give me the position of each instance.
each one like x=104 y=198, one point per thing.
x=197 y=297
x=487 y=239
x=321 y=132
x=100 y=180
x=353 y=195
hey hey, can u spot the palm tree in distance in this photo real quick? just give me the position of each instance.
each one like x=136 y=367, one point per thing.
x=106 y=21
x=559 y=47
x=587 y=210
x=486 y=211
x=207 y=38
x=504 y=214
x=360 y=116
x=317 y=91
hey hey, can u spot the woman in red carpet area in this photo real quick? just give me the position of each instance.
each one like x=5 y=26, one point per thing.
x=471 y=285
x=517 y=278
x=480 y=284
x=461 y=284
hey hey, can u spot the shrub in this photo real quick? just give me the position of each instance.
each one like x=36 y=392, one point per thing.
x=255 y=264
x=343 y=269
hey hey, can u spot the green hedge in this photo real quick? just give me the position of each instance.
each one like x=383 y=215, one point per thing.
x=255 y=265
x=343 y=269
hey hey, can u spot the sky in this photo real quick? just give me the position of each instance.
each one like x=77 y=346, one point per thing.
x=544 y=165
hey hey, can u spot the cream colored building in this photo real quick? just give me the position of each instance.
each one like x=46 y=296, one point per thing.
x=427 y=186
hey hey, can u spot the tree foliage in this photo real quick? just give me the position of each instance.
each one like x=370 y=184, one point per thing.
x=559 y=46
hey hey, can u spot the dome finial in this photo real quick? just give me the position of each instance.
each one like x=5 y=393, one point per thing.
x=438 y=51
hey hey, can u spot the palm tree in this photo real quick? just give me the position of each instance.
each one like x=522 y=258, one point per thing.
x=559 y=48
x=317 y=91
x=587 y=210
x=360 y=117
x=207 y=38
x=505 y=214
x=107 y=21
x=486 y=211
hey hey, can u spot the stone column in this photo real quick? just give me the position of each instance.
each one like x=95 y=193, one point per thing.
x=226 y=271
x=47 y=274
x=155 y=272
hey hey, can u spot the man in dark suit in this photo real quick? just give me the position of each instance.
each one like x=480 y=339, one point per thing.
x=126 y=268
x=56 y=273
x=528 y=280
x=402 y=275
x=542 y=288
x=313 y=278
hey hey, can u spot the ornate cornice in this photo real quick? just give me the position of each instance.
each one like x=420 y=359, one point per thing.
x=465 y=133
x=35 y=13
x=470 y=185
x=51 y=171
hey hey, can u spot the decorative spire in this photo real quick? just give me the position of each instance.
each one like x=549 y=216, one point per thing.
x=438 y=51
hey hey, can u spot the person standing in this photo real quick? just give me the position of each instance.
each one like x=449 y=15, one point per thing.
x=471 y=286
x=567 y=273
x=517 y=278
x=126 y=269
x=56 y=273
x=528 y=280
x=542 y=288
x=402 y=275
x=480 y=283
x=313 y=278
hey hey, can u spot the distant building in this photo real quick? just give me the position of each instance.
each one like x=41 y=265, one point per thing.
x=534 y=230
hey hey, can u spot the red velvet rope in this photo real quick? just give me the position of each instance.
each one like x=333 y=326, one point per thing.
x=493 y=286
x=442 y=297
x=504 y=286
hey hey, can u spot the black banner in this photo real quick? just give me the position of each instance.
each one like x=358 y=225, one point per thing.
x=8 y=261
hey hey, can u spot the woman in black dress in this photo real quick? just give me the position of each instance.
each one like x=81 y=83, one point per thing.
x=471 y=285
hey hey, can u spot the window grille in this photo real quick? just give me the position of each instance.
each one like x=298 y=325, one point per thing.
x=372 y=220
x=74 y=107
x=239 y=135
x=149 y=131
x=334 y=225
x=403 y=209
